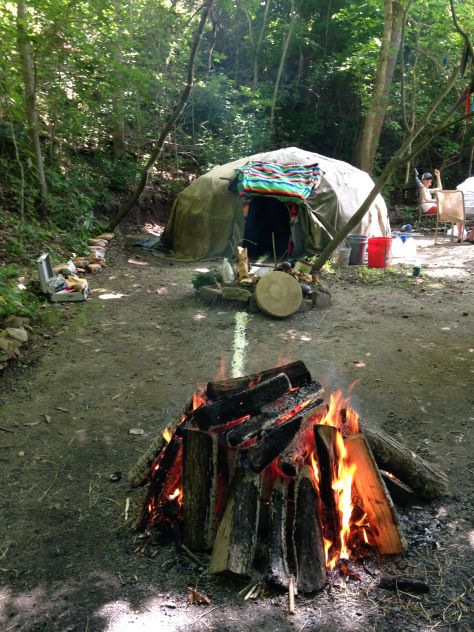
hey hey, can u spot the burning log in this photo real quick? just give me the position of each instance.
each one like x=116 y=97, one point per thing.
x=307 y=535
x=293 y=457
x=274 y=440
x=138 y=474
x=374 y=497
x=289 y=406
x=424 y=478
x=278 y=572
x=297 y=373
x=159 y=473
x=199 y=488
x=325 y=440
x=236 y=539
x=242 y=403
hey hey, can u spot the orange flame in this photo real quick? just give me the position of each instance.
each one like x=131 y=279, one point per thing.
x=166 y=435
x=342 y=485
x=177 y=495
x=198 y=400
x=340 y=414
x=314 y=465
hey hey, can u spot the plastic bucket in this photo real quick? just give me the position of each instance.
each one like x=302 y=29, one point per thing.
x=358 y=244
x=379 y=252
x=340 y=257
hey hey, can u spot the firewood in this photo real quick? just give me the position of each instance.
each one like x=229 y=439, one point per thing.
x=291 y=595
x=297 y=373
x=307 y=535
x=325 y=440
x=293 y=456
x=241 y=404
x=405 y=584
x=424 y=478
x=273 y=441
x=278 y=572
x=161 y=469
x=139 y=474
x=272 y=413
x=374 y=497
x=94 y=267
x=199 y=488
x=401 y=494
x=236 y=539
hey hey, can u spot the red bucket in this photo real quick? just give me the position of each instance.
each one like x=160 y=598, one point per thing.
x=379 y=252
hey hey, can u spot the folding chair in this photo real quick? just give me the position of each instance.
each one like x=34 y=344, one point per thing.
x=451 y=209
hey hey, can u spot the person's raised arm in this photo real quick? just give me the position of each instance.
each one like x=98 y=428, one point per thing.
x=439 y=186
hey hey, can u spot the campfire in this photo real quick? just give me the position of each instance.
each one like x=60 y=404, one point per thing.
x=268 y=474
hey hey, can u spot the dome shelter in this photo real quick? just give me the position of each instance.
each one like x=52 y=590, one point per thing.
x=207 y=218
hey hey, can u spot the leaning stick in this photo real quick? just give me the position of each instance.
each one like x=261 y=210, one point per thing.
x=291 y=595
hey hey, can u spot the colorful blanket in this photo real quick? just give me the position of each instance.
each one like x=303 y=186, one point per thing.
x=285 y=182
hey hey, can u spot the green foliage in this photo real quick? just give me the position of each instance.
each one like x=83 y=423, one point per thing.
x=15 y=299
x=211 y=277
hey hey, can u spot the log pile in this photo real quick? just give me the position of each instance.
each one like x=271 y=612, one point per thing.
x=262 y=462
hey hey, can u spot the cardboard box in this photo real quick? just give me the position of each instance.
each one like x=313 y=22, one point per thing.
x=46 y=275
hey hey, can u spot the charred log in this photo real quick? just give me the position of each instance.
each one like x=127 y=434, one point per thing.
x=374 y=497
x=307 y=535
x=278 y=572
x=160 y=470
x=296 y=454
x=138 y=475
x=288 y=407
x=297 y=373
x=274 y=440
x=406 y=584
x=242 y=403
x=325 y=440
x=199 y=489
x=236 y=539
x=424 y=478
x=401 y=494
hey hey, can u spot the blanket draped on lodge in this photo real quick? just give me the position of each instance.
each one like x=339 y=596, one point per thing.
x=285 y=182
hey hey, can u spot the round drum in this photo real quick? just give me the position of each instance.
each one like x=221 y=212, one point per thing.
x=278 y=294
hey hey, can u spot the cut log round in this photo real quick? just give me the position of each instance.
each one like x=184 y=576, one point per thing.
x=278 y=294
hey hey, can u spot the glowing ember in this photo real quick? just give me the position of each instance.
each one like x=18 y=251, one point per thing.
x=166 y=435
x=177 y=495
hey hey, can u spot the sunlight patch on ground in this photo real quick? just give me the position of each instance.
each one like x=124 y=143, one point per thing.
x=240 y=343
x=201 y=270
x=199 y=316
x=153 y=229
x=111 y=296
x=137 y=263
x=119 y=617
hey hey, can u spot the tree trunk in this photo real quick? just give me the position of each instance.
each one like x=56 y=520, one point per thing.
x=394 y=16
x=256 y=52
x=169 y=124
x=30 y=98
x=294 y=15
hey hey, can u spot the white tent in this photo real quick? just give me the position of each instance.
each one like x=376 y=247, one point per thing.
x=467 y=187
x=206 y=216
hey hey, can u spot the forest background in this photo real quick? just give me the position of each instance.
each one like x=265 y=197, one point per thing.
x=86 y=88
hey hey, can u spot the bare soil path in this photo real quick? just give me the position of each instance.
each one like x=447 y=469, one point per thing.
x=132 y=356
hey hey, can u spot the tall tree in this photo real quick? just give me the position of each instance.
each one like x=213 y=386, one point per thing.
x=394 y=12
x=30 y=98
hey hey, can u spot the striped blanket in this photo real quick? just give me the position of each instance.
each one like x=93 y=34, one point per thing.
x=285 y=182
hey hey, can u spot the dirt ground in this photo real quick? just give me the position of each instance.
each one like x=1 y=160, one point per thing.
x=132 y=356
